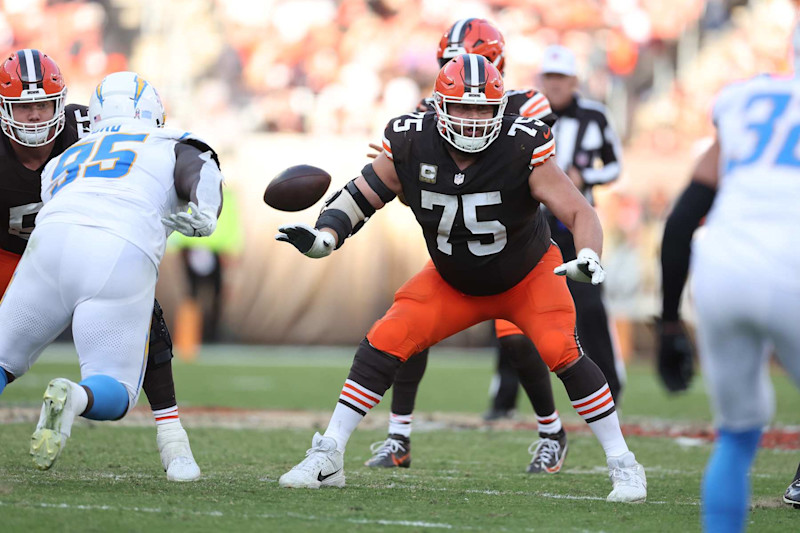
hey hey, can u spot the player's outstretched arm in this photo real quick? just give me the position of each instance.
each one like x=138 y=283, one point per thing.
x=346 y=211
x=554 y=189
x=198 y=180
x=675 y=362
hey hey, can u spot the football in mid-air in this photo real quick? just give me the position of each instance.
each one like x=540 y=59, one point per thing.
x=297 y=188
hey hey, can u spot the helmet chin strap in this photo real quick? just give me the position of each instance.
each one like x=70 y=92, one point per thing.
x=469 y=143
x=33 y=138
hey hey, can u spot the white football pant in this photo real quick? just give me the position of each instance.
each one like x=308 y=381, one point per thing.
x=745 y=313
x=105 y=284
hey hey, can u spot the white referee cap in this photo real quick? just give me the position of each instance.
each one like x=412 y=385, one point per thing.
x=558 y=60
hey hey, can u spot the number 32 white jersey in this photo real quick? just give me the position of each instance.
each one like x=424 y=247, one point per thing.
x=120 y=179
x=756 y=212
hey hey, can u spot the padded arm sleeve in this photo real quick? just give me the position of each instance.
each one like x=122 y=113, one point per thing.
x=197 y=177
x=347 y=210
x=692 y=206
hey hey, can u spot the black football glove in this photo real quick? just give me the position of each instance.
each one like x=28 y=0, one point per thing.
x=675 y=356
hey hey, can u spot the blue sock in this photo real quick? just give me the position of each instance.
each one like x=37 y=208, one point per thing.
x=109 y=398
x=726 y=484
x=3 y=380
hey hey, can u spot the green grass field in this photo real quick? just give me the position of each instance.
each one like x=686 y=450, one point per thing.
x=110 y=479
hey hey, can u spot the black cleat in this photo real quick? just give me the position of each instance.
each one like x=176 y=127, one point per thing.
x=393 y=452
x=548 y=453
x=792 y=494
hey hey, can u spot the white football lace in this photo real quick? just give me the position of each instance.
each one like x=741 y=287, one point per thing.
x=383 y=448
x=315 y=459
x=626 y=476
x=546 y=450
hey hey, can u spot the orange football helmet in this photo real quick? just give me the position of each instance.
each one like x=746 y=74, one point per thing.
x=469 y=79
x=472 y=36
x=29 y=76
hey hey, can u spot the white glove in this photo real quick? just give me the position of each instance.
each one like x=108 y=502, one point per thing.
x=585 y=268
x=195 y=224
x=311 y=242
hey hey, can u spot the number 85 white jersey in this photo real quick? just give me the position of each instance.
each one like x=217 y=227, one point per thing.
x=121 y=179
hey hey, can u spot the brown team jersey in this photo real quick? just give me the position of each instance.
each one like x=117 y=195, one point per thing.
x=20 y=187
x=483 y=230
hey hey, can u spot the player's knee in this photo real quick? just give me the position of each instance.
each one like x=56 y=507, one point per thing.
x=5 y=379
x=373 y=368
x=557 y=349
x=160 y=348
x=391 y=335
x=108 y=398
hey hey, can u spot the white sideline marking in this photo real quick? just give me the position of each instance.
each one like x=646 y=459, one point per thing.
x=155 y=510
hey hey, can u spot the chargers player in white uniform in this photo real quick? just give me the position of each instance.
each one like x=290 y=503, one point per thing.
x=94 y=255
x=745 y=282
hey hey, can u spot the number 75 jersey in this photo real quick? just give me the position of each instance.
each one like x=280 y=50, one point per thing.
x=483 y=230
x=121 y=179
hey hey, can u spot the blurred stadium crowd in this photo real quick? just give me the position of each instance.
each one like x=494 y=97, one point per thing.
x=232 y=68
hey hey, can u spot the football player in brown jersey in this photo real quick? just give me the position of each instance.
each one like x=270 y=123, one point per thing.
x=517 y=361
x=475 y=179
x=38 y=126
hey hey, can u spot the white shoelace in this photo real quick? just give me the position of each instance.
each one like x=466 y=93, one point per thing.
x=546 y=450
x=625 y=476
x=315 y=458
x=383 y=448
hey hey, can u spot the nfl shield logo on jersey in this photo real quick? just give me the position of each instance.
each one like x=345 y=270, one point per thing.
x=458 y=179
x=427 y=173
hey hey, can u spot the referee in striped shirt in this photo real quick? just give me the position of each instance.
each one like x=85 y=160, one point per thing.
x=589 y=152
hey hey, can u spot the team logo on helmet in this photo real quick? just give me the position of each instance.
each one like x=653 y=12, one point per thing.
x=125 y=96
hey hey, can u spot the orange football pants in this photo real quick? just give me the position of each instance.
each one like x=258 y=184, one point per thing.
x=8 y=263
x=427 y=309
x=504 y=328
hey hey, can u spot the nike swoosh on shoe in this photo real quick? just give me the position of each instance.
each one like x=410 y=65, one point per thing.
x=320 y=477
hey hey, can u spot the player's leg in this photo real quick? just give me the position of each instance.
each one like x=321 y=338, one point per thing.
x=505 y=383
x=786 y=337
x=112 y=297
x=31 y=315
x=550 y=450
x=542 y=307
x=36 y=308
x=592 y=320
x=593 y=330
x=395 y=450
x=8 y=262
x=734 y=350
x=159 y=387
x=413 y=322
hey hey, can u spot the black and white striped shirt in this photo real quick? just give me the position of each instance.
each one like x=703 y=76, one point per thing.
x=586 y=140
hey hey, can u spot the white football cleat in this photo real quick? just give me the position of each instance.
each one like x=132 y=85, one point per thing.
x=176 y=455
x=627 y=478
x=55 y=424
x=322 y=467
